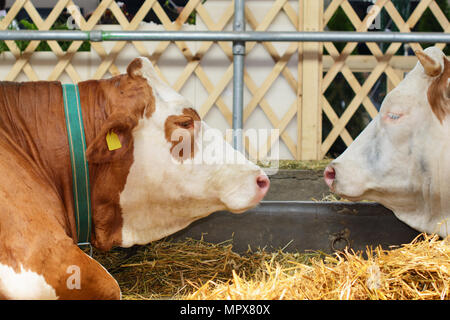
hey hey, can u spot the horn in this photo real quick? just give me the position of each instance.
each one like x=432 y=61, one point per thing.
x=432 y=68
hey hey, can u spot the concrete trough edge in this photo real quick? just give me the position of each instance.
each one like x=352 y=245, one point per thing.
x=303 y=226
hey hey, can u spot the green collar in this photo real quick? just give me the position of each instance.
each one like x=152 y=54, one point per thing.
x=80 y=168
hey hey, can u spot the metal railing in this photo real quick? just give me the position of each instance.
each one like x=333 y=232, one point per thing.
x=238 y=36
x=234 y=36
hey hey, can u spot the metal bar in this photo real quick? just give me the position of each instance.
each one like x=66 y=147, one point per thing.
x=238 y=76
x=244 y=36
x=45 y=35
x=272 y=208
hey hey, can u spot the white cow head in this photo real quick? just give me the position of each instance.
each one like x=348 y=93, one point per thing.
x=402 y=158
x=182 y=169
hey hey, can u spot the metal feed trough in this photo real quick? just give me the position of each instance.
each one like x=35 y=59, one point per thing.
x=303 y=225
x=294 y=225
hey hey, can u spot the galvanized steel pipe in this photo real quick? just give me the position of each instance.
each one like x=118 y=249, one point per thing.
x=242 y=36
x=238 y=76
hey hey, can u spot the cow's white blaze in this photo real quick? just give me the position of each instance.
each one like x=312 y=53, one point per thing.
x=24 y=285
x=402 y=158
x=163 y=195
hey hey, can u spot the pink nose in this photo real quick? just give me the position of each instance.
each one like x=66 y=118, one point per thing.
x=263 y=185
x=329 y=175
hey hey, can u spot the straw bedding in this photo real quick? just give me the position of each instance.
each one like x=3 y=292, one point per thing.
x=195 y=269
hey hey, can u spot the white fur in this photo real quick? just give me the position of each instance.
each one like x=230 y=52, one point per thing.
x=436 y=54
x=403 y=164
x=163 y=195
x=24 y=285
x=160 y=88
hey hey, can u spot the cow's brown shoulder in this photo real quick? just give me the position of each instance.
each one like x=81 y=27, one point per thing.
x=33 y=239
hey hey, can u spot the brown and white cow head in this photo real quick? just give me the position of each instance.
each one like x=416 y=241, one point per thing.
x=402 y=158
x=181 y=170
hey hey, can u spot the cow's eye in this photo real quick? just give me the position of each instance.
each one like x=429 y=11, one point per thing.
x=393 y=116
x=186 y=124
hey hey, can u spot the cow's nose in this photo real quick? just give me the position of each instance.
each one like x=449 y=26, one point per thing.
x=329 y=175
x=263 y=183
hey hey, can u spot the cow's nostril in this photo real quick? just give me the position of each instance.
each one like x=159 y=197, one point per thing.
x=262 y=182
x=329 y=175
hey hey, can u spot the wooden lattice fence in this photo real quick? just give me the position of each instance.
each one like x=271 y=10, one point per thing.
x=286 y=85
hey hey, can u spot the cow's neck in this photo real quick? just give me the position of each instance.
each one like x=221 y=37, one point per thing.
x=100 y=100
x=107 y=179
x=426 y=208
x=32 y=115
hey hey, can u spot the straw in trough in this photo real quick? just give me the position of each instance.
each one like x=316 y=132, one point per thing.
x=195 y=269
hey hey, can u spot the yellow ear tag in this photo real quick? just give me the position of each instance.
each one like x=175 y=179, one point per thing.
x=112 y=140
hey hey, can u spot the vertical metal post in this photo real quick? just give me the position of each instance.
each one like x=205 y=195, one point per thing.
x=238 y=76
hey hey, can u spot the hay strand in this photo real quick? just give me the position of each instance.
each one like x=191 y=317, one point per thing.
x=195 y=269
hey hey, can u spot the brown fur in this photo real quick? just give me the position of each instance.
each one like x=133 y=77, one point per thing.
x=134 y=68
x=430 y=66
x=438 y=93
x=125 y=99
x=186 y=121
x=37 y=225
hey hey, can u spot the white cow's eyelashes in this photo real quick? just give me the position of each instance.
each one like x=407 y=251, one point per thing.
x=393 y=116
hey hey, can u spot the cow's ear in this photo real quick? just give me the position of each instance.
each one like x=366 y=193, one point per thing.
x=437 y=66
x=134 y=69
x=113 y=141
x=432 y=67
